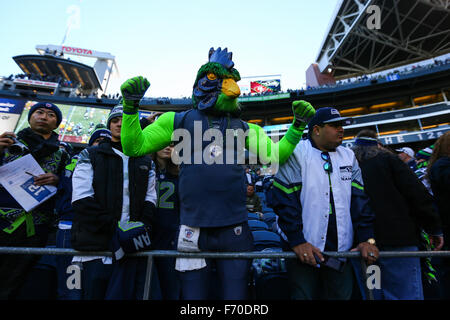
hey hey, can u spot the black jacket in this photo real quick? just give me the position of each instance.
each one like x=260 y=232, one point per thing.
x=440 y=184
x=95 y=218
x=51 y=159
x=400 y=201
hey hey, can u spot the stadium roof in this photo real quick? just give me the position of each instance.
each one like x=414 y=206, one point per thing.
x=68 y=69
x=406 y=32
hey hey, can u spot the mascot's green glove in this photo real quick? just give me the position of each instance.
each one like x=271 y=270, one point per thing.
x=303 y=112
x=132 y=92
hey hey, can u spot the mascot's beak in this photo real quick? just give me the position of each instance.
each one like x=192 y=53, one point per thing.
x=230 y=88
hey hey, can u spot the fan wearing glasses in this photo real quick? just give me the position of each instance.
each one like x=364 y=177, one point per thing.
x=320 y=201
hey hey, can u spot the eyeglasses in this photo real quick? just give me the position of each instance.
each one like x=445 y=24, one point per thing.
x=327 y=165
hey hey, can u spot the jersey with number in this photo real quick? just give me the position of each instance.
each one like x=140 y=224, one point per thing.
x=167 y=218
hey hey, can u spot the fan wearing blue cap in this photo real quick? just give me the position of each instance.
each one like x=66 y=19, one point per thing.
x=327 y=127
x=319 y=199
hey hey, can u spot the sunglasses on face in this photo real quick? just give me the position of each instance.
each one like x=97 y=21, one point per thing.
x=338 y=124
x=327 y=165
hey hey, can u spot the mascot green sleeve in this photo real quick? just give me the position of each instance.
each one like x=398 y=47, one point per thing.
x=215 y=106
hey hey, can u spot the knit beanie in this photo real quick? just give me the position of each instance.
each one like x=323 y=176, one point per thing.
x=425 y=153
x=117 y=111
x=102 y=132
x=47 y=105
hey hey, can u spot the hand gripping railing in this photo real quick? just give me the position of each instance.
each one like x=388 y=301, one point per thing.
x=220 y=255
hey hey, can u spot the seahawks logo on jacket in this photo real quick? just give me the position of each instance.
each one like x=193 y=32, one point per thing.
x=346 y=172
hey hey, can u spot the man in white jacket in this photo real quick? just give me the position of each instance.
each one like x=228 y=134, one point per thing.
x=112 y=194
x=319 y=198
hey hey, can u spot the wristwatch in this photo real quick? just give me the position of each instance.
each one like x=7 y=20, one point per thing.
x=371 y=241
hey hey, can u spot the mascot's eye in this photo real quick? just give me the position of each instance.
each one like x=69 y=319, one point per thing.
x=211 y=76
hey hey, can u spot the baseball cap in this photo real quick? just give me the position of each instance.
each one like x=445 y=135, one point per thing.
x=328 y=115
x=408 y=151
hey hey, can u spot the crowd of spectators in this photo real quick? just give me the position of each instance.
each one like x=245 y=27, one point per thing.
x=47 y=78
x=381 y=76
x=410 y=201
x=263 y=94
x=166 y=100
x=323 y=198
x=392 y=75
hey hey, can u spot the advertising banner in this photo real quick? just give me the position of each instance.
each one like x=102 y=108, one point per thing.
x=36 y=83
x=406 y=137
x=265 y=98
x=262 y=86
x=10 y=110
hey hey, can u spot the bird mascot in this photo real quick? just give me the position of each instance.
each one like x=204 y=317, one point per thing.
x=212 y=185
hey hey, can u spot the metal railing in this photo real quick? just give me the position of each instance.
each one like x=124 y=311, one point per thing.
x=220 y=255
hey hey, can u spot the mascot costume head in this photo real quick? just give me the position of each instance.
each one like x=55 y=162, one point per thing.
x=215 y=89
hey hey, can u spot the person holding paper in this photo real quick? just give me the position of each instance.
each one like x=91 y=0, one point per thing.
x=19 y=228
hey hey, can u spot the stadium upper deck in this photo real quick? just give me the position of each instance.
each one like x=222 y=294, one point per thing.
x=412 y=108
x=404 y=105
x=366 y=36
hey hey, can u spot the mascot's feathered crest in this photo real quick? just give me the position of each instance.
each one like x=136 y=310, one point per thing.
x=215 y=87
x=221 y=56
